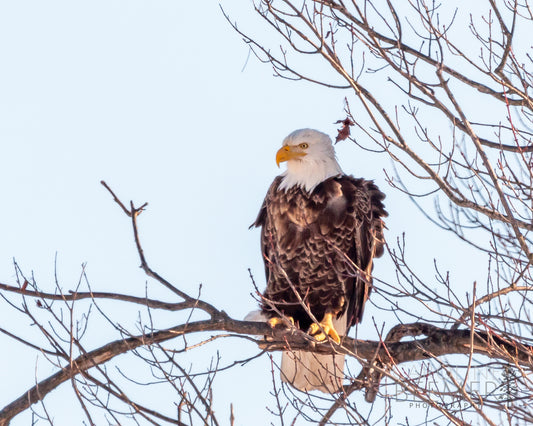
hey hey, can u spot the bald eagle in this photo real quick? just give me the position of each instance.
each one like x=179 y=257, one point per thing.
x=320 y=231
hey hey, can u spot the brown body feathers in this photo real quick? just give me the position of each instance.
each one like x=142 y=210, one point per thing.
x=320 y=245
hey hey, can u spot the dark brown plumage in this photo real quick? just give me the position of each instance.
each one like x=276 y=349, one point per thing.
x=320 y=245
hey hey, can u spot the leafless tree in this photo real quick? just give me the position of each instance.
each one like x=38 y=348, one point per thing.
x=458 y=131
x=443 y=90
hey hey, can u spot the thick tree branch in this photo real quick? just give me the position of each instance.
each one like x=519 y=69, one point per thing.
x=438 y=342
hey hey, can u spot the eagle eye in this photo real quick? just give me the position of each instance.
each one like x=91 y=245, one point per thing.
x=304 y=145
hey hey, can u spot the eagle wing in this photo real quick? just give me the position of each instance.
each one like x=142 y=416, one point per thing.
x=367 y=240
x=261 y=221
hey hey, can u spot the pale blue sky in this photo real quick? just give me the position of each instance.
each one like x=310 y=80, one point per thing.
x=161 y=100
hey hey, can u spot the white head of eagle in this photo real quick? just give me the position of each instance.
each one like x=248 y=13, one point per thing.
x=310 y=158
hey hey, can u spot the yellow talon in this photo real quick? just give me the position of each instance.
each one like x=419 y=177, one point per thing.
x=277 y=321
x=320 y=332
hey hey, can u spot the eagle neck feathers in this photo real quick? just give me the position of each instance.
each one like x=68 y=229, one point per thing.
x=308 y=174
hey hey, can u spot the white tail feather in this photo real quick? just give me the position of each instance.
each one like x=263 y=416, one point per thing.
x=308 y=371
x=256 y=316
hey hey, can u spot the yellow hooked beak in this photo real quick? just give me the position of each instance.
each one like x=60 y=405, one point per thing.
x=287 y=153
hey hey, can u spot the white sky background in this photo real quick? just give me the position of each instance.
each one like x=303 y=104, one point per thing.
x=162 y=101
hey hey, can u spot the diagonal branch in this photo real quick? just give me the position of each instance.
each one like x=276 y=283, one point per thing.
x=133 y=213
